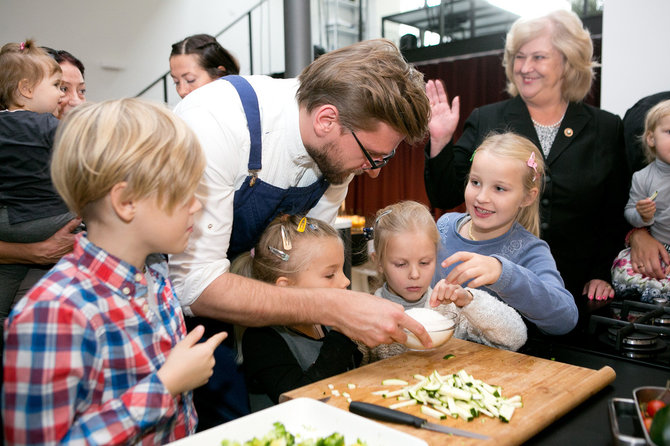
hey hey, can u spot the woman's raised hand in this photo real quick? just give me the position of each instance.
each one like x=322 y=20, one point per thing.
x=443 y=117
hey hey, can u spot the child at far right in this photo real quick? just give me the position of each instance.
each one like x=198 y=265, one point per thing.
x=648 y=207
x=97 y=351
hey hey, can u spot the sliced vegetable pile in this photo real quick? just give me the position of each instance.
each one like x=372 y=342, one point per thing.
x=279 y=436
x=458 y=395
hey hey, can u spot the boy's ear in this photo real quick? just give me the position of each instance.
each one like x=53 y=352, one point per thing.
x=123 y=207
x=326 y=118
x=282 y=281
x=530 y=197
x=25 y=88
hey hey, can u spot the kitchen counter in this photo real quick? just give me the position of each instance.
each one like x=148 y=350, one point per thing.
x=589 y=423
x=550 y=389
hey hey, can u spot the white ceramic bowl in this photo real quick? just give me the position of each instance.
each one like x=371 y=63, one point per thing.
x=439 y=326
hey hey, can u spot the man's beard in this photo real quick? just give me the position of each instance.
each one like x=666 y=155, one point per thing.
x=331 y=172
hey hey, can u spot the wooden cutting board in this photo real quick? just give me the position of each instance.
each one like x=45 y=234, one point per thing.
x=549 y=389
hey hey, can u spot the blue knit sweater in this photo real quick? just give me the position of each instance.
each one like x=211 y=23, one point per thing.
x=529 y=281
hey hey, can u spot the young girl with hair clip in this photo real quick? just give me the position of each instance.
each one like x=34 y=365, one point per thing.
x=649 y=207
x=294 y=251
x=495 y=246
x=406 y=242
x=30 y=208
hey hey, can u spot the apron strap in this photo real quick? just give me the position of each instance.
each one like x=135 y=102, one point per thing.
x=253 y=115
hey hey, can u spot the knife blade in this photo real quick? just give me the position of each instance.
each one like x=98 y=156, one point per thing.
x=395 y=416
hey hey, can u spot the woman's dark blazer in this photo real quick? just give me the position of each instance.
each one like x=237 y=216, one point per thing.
x=586 y=186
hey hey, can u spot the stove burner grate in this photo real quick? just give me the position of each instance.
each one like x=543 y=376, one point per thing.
x=638 y=345
x=635 y=340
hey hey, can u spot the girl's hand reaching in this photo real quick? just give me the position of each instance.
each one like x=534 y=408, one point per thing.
x=444 y=292
x=646 y=208
x=190 y=363
x=481 y=270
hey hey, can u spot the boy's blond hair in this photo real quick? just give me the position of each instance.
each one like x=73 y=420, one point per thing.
x=651 y=121
x=132 y=140
x=19 y=62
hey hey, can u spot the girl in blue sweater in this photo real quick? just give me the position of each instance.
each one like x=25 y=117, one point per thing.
x=495 y=245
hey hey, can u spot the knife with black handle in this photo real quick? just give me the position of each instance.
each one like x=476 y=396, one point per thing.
x=382 y=413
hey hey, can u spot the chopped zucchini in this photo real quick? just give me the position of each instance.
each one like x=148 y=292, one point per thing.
x=394 y=382
x=458 y=395
x=432 y=413
x=403 y=404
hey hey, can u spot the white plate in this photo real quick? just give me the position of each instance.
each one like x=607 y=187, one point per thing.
x=305 y=418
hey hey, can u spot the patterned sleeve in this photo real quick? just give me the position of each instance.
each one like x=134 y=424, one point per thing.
x=55 y=364
x=489 y=321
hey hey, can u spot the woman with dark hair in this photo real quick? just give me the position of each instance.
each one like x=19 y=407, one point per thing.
x=72 y=84
x=198 y=60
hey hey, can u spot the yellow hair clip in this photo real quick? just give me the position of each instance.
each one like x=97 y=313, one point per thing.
x=302 y=224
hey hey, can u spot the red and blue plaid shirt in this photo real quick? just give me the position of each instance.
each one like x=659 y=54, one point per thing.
x=81 y=354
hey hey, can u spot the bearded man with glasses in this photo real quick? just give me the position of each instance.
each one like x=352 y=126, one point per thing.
x=288 y=146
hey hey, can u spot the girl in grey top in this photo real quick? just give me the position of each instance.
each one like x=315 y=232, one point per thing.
x=649 y=206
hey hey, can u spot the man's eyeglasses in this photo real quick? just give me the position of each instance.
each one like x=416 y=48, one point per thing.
x=373 y=164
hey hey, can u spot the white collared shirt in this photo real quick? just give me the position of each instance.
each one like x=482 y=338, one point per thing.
x=215 y=113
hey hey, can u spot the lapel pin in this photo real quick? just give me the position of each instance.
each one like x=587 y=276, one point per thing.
x=568 y=132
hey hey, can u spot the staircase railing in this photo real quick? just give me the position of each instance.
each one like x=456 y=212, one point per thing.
x=165 y=78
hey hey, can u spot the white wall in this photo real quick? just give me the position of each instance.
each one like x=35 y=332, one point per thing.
x=125 y=44
x=634 y=52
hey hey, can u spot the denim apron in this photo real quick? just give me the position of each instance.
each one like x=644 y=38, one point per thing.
x=255 y=204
